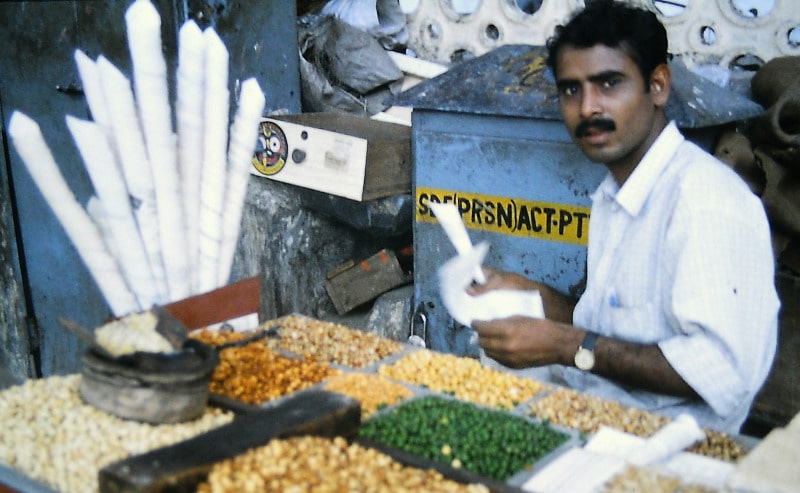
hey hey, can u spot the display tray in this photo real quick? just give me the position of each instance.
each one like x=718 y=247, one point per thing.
x=459 y=475
x=313 y=411
x=240 y=407
x=332 y=343
x=511 y=482
x=181 y=467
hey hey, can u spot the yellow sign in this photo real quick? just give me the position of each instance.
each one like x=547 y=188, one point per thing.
x=566 y=223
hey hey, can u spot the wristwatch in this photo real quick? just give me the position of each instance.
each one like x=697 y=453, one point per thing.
x=584 y=357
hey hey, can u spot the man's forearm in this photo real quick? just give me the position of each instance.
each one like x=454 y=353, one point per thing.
x=639 y=365
x=557 y=307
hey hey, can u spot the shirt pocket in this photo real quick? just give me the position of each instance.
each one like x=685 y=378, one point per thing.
x=639 y=323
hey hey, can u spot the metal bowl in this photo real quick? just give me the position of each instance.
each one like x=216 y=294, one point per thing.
x=154 y=388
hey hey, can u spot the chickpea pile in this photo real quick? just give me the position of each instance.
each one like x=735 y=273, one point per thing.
x=463 y=378
x=310 y=463
x=51 y=436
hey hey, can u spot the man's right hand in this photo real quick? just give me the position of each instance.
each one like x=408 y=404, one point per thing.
x=557 y=306
x=498 y=279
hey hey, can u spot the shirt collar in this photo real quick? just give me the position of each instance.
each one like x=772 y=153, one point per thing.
x=637 y=187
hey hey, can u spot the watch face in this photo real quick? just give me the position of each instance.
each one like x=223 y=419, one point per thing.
x=584 y=359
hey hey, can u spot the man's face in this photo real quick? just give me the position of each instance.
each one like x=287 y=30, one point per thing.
x=604 y=105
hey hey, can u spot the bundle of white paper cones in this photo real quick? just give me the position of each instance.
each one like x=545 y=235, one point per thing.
x=165 y=219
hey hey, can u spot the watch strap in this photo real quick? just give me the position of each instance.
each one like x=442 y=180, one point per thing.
x=589 y=340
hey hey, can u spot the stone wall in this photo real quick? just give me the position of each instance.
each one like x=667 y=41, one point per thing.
x=294 y=248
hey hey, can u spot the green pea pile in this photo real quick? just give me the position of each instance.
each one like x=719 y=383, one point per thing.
x=487 y=442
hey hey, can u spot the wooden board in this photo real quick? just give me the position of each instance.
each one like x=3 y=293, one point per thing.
x=226 y=303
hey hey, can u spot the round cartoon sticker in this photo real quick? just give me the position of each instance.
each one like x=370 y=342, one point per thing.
x=271 y=149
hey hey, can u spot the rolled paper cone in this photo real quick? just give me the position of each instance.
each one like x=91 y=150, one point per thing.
x=93 y=89
x=681 y=433
x=82 y=232
x=214 y=159
x=132 y=153
x=189 y=116
x=450 y=219
x=243 y=135
x=98 y=216
x=152 y=99
x=110 y=188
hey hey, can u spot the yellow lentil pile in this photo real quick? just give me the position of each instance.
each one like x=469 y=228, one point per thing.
x=304 y=464
x=330 y=342
x=51 y=436
x=371 y=391
x=463 y=378
x=254 y=374
x=587 y=413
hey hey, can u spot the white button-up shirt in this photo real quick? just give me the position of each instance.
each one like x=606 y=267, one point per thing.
x=681 y=256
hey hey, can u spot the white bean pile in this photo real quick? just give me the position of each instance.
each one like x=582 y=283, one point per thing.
x=51 y=436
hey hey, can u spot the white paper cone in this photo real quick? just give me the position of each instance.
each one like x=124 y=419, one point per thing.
x=456 y=274
x=450 y=219
x=94 y=208
x=129 y=141
x=110 y=188
x=189 y=116
x=152 y=98
x=85 y=236
x=93 y=89
x=214 y=159
x=679 y=434
x=243 y=135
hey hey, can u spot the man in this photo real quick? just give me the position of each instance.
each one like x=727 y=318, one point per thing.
x=680 y=310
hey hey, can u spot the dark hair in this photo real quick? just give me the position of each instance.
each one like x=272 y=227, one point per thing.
x=615 y=24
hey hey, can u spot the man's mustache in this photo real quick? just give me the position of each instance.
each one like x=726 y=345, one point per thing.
x=599 y=125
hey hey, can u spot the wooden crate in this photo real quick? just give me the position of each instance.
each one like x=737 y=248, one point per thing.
x=344 y=155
